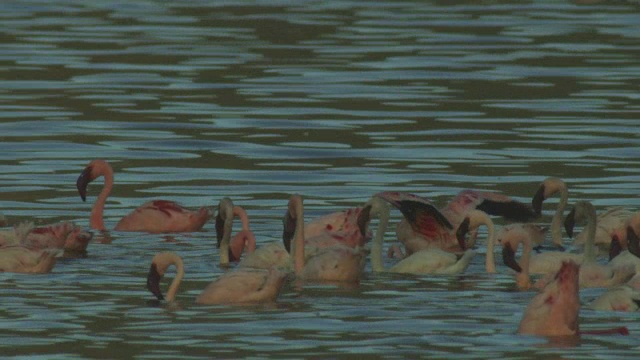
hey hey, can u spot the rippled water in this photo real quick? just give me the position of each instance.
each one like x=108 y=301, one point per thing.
x=196 y=100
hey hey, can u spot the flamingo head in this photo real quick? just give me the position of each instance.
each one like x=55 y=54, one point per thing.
x=364 y=217
x=633 y=241
x=461 y=233
x=538 y=199
x=83 y=181
x=570 y=222
x=289 y=230
x=615 y=248
x=153 y=281
x=219 y=229
x=509 y=257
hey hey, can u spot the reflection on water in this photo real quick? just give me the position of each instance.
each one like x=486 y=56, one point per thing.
x=193 y=101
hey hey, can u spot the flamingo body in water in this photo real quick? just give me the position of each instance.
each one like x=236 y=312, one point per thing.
x=426 y=261
x=338 y=263
x=157 y=216
x=592 y=274
x=243 y=241
x=425 y=226
x=21 y=259
x=338 y=230
x=64 y=235
x=239 y=286
x=608 y=222
x=554 y=311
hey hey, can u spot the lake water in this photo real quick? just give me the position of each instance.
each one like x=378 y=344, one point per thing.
x=336 y=100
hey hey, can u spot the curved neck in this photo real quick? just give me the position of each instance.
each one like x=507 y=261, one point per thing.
x=97 y=219
x=175 y=283
x=297 y=212
x=380 y=209
x=225 y=211
x=556 y=221
x=242 y=214
x=523 y=279
x=589 y=212
x=490 y=262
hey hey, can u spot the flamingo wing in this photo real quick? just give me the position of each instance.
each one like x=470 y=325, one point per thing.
x=491 y=203
x=419 y=212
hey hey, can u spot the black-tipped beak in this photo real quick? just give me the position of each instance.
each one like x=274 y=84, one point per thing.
x=153 y=282
x=219 y=229
x=537 y=200
x=363 y=220
x=461 y=233
x=509 y=257
x=615 y=248
x=633 y=242
x=289 y=224
x=570 y=222
x=83 y=181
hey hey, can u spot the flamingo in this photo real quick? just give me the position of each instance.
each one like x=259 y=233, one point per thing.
x=607 y=222
x=425 y=226
x=157 y=216
x=592 y=274
x=239 y=287
x=432 y=260
x=243 y=240
x=554 y=311
x=621 y=298
x=21 y=259
x=473 y=220
x=630 y=256
x=338 y=263
x=324 y=232
x=64 y=235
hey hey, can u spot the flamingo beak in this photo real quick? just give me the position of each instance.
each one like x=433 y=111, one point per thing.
x=461 y=233
x=363 y=219
x=153 y=281
x=83 y=181
x=537 y=200
x=289 y=230
x=615 y=248
x=633 y=242
x=219 y=229
x=570 y=222
x=509 y=257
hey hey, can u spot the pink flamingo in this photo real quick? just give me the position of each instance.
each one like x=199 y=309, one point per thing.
x=240 y=286
x=554 y=311
x=64 y=235
x=338 y=263
x=592 y=274
x=237 y=287
x=607 y=222
x=158 y=216
x=425 y=226
x=243 y=241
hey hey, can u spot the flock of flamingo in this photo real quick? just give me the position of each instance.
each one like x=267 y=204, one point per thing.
x=334 y=247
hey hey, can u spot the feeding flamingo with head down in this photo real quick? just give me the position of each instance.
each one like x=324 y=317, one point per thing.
x=425 y=226
x=64 y=235
x=592 y=274
x=555 y=310
x=236 y=287
x=158 y=216
x=338 y=263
